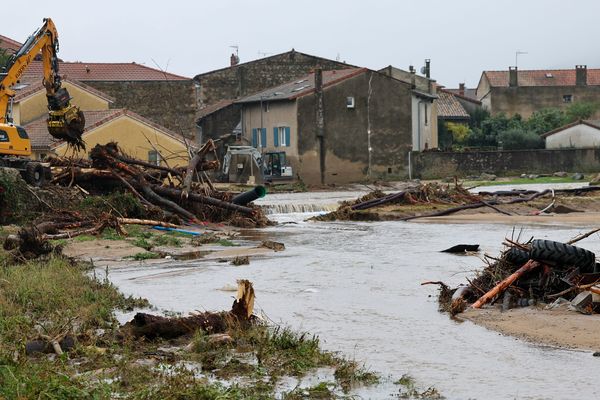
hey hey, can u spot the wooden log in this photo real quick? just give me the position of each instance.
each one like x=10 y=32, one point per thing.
x=176 y=194
x=193 y=164
x=504 y=284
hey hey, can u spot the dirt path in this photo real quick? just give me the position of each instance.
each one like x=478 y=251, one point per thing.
x=560 y=327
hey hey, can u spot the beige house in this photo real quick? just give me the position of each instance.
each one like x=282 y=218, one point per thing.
x=137 y=136
x=577 y=135
x=30 y=102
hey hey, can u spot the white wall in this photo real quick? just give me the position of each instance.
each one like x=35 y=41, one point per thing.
x=578 y=136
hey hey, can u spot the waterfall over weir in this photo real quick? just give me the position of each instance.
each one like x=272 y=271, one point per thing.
x=309 y=202
x=298 y=208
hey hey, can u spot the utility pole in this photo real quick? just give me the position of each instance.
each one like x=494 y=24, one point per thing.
x=320 y=113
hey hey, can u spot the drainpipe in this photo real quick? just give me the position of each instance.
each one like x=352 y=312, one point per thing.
x=409 y=167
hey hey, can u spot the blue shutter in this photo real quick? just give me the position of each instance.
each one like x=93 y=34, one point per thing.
x=276 y=137
x=254 y=138
x=263 y=137
x=287 y=136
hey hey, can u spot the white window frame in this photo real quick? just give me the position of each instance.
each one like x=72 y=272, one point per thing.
x=281 y=133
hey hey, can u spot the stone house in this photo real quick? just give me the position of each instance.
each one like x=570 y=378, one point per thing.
x=577 y=135
x=367 y=120
x=524 y=92
x=239 y=80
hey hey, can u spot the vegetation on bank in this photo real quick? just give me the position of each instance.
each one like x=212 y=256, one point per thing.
x=59 y=299
x=521 y=181
x=510 y=133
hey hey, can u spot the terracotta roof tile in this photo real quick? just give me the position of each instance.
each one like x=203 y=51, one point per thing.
x=36 y=85
x=84 y=72
x=302 y=86
x=41 y=139
x=449 y=107
x=11 y=45
x=547 y=77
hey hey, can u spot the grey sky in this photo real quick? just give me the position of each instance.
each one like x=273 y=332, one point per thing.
x=462 y=37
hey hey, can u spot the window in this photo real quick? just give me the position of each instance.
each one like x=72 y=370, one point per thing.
x=281 y=136
x=567 y=98
x=259 y=137
x=22 y=133
x=265 y=106
x=350 y=102
x=154 y=157
x=3 y=136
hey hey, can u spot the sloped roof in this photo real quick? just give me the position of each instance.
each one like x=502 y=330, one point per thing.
x=468 y=94
x=11 y=45
x=41 y=139
x=82 y=71
x=449 y=107
x=593 y=124
x=33 y=86
x=208 y=110
x=301 y=86
x=542 y=77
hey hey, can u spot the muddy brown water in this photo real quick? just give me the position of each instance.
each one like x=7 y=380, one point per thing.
x=357 y=286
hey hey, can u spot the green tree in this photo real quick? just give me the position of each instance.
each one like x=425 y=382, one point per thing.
x=487 y=133
x=580 y=110
x=516 y=139
x=545 y=120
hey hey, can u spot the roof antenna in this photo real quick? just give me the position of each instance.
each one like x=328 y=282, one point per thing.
x=517 y=54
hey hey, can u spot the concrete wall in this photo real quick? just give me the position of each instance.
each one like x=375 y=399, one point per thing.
x=281 y=113
x=36 y=105
x=430 y=165
x=578 y=136
x=132 y=136
x=346 y=130
x=254 y=76
x=171 y=104
x=424 y=123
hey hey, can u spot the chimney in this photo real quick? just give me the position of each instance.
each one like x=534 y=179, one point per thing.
x=234 y=59
x=461 y=89
x=581 y=75
x=413 y=72
x=513 y=80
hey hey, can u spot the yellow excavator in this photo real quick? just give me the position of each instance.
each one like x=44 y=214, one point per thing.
x=65 y=122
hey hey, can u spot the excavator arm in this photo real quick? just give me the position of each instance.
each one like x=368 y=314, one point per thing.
x=65 y=122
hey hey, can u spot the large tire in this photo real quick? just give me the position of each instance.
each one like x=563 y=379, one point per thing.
x=34 y=174
x=561 y=254
x=516 y=256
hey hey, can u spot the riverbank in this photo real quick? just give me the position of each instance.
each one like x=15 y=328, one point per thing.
x=557 y=328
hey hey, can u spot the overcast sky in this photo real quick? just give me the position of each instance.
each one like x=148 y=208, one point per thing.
x=461 y=37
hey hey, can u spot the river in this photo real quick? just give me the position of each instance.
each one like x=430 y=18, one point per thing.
x=357 y=286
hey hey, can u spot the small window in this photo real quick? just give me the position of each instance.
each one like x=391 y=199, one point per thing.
x=282 y=139
x=426 y=116
x=22 y=133
x=350 y=102
x=154 y=157
x=266 y=106
x=567 y=98
x=3 y=136
x=549 y=75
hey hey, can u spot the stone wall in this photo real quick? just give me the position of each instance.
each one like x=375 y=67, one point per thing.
x=171 y=104
x=525 y=100
x=430 y=165
x=387 y=111
x=254 y=76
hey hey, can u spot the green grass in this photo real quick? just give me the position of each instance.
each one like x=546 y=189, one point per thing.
x=146 y=255
x=225 y=242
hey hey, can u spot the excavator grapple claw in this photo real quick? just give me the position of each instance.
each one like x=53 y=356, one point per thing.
x=67 y=124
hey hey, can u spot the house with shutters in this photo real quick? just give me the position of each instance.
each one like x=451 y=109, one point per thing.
x=367 y=125
x=526 y=91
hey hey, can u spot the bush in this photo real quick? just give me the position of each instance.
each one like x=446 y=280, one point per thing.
x=581 y=110
x=516 y=139
x=545 y=120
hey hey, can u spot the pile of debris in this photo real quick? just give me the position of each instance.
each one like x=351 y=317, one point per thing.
x=163 y=196
x=525 y=274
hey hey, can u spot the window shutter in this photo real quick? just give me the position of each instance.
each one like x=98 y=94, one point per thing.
x=254 y=138
x=287 y=136
x=276 y=137
x=263 y=137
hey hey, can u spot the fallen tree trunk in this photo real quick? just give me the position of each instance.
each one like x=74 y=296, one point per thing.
x=504 y=284
x=177 y=193
x=154 y=326
x=193 y=164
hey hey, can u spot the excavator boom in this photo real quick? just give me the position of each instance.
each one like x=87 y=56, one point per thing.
x=65 y=121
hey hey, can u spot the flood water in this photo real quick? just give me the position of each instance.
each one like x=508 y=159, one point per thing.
x=357 y=286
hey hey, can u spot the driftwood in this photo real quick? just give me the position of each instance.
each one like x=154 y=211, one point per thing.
x=177 y=193
x=154 y=326
x=504 y=284
x=198 y=157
